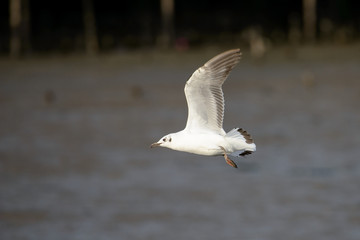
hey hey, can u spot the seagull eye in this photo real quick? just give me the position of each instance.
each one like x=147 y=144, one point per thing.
x=164 y=139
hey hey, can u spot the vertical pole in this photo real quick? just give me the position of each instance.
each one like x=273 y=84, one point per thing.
x=26 y=27
x=90 y=37
x=309 y=11
x=167 y=21
x=15 y=23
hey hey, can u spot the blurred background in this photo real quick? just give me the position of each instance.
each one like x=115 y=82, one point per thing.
x=87 y=86
x=30 y=27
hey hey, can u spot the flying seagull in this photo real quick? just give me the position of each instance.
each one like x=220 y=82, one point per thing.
x=204 y=133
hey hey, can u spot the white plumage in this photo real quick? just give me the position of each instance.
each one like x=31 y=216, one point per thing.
x=204 y=133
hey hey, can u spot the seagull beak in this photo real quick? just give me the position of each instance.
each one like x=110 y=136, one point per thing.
x=155 y=145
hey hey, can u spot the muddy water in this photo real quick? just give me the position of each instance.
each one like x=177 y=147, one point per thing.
x=75 y=161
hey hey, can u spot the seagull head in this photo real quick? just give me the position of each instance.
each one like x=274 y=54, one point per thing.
x=163 y=142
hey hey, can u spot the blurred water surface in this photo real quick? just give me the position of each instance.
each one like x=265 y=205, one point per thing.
x=75 y=161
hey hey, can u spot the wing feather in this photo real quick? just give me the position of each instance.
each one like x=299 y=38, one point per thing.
x=204 y=94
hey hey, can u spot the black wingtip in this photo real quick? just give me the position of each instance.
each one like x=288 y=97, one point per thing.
x=246 y=135
x=244 y=153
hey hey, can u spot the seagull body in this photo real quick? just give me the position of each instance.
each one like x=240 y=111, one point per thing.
x=204 y=133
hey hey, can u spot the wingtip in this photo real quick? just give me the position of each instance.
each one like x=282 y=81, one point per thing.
x=232 y=51
x=246 y=152
x=246 y=135
x=235 y=50
x=228 y=58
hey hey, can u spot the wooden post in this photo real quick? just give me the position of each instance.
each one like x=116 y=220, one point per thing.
x=26 y=26
x=309 y=18
x=15 y=24
x=90 y=36
x=167 y=21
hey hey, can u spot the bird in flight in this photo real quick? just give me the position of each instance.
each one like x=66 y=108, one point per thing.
x=204 y=133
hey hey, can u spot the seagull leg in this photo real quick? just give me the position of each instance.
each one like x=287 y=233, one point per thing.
x=227 y=159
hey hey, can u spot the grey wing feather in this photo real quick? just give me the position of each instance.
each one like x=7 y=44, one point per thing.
x=204 y=94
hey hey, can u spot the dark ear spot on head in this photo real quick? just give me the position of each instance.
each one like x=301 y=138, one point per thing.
x=169 y=139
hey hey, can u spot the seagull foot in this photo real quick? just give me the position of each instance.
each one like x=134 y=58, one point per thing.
x=228 y=160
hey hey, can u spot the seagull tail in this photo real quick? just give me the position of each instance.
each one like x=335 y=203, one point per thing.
x=242 y=141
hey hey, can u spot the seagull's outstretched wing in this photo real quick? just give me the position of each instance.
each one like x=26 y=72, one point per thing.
x=204 y=95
